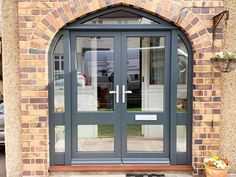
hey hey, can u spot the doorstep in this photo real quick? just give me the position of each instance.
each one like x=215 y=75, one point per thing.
x=119 y=168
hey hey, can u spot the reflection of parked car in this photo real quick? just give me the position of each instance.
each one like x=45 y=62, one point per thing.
x=2 y=138
x=59 y=80
x=80 y=80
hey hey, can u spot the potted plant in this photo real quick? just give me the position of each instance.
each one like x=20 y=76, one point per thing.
x=216 y=166
x=224 y=61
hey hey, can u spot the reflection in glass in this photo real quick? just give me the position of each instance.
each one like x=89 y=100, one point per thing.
x=120 y=17
x=60 y=138
x=182 y=100
x=58 y=76
x=181 y=138
x=145 y=138
x=146 y=73
x=96 y=138
x=95 y=73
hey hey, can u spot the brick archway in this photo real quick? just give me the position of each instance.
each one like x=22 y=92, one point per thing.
x=168 y=10
x=206 y=91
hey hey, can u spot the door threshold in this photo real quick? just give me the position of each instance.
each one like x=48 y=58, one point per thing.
x=121 y=167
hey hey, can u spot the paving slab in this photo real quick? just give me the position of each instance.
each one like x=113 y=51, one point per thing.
x=108 y=174
x=112 y=174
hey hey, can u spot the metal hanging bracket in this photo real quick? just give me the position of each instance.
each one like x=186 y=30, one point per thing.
x=217 y=19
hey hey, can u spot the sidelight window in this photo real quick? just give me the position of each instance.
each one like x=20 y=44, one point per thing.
x=58 y=76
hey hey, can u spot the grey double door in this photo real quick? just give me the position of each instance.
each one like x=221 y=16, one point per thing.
x=120 y=97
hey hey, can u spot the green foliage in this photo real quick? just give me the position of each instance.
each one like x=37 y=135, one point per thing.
x=224 y=55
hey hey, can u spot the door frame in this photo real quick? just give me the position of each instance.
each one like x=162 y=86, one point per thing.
x=120 y=118
x=64 y=118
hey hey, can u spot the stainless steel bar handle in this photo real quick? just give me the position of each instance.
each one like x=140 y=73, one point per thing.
x=115 y=92
x=125 y=92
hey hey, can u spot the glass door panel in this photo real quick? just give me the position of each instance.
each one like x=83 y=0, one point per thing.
x=145 y=72
x=96 y=138
x=144 y=138
x=95 y=73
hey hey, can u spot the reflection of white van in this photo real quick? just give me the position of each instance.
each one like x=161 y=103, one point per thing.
x=103 y=60
x=145 y=77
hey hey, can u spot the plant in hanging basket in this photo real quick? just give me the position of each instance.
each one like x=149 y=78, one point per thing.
x=216 y=166
x=224 y=61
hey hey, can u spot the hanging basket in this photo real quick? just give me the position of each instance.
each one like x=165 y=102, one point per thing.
x=224 y=65
x=215 y=172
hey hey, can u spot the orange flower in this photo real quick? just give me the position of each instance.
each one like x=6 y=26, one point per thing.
x=226 y=161
x=210 y=163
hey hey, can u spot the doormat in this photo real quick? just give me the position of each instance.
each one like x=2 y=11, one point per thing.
x=145 y=175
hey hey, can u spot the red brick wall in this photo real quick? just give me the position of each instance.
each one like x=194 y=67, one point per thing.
x=40 y=20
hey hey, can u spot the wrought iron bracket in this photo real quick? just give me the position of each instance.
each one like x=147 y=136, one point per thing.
x=216 y=21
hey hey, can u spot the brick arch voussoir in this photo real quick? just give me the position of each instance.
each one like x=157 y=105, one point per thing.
x=170 y=11
x=188 y=22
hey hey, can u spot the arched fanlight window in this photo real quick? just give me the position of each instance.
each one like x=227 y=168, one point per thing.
x=121 y=17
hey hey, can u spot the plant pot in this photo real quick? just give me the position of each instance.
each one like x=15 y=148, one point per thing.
x=223 y=65
x=215 y=172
